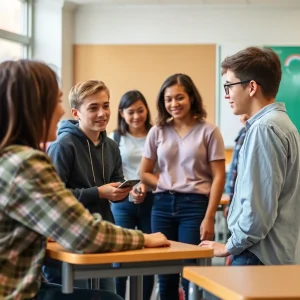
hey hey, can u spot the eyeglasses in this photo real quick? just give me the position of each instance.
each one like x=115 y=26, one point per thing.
x=227 y=85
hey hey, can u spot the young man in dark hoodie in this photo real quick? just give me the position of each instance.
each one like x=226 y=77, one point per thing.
x=87 y=161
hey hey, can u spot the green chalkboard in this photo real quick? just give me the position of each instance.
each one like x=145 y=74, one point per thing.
x=289 y=90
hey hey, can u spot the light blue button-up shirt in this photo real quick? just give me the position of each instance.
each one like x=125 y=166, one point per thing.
x=264 y=216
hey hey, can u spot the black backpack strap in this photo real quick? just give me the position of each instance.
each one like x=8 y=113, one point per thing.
x=117 y=137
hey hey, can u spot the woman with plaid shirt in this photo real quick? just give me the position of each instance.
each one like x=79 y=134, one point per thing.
x=34 y=203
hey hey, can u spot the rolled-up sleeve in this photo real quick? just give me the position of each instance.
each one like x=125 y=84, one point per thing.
x=260 y=181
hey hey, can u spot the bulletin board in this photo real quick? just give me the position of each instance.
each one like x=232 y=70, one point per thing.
x=145 y=67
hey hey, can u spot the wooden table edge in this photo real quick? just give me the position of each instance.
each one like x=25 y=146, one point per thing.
x=125 y=256
x=209 y=285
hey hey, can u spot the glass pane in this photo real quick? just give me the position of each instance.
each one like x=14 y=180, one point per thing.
x=10 y=50
x=13 y=16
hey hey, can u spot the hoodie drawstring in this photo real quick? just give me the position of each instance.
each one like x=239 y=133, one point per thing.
x=92 y=165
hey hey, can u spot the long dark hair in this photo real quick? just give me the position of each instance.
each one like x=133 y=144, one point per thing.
x=28 y=97
x=127 y=100
x=197 y=108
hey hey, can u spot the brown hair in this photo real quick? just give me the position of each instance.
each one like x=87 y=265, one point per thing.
x=28 y=97
x=84 y=89
x=259 y=64
x=197 y=108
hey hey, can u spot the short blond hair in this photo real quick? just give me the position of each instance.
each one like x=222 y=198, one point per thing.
x=85 y=89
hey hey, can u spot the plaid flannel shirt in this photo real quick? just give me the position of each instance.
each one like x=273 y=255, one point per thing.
x=232 y=174
x=34 y=205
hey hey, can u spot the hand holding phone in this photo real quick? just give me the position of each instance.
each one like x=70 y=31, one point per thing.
x=137 y=195
x=128 y=183
x=112 y=192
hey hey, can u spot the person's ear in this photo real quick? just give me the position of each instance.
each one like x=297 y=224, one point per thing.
x=75 y=114
x=253 y=87
x=121 y=113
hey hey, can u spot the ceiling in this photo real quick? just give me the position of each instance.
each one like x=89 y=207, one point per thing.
x=286 y=3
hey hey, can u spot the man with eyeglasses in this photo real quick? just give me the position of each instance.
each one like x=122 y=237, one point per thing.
x=263 y=217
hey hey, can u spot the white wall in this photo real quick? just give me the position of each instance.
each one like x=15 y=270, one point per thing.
x=231 y=27
x=58 y=26
x=186 y=24
x=47 y=33
x=67 y=54
x=53 y=34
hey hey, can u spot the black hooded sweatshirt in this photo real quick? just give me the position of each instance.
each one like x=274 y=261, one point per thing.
x=83 y=166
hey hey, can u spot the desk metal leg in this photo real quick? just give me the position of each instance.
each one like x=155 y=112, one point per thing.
x=194 y=293
x=204 y=262
x=206 y=295
x=136 y=288
x=95 y=284
x=67 y=278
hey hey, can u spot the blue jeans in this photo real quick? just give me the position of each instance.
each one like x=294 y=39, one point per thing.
x=53 y=292
x=179 y=217
x=130 y=215
x=246 y=258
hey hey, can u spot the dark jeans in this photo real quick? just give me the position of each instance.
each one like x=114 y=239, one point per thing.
x=130 y=215
x=246 y=258
x=53 y=292
x=179 y=217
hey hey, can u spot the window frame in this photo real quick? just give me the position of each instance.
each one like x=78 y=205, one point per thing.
x=24 y=39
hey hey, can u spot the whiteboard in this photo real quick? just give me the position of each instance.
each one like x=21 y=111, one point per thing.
x=229 y=123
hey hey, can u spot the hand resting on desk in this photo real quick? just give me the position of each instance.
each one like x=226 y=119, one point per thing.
x=219 y=249
x=154 y=240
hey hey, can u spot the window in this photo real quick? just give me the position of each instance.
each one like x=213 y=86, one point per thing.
x=12 y=17
x=10 y=50
x=15 y=29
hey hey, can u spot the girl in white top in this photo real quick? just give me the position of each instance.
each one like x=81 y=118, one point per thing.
x=190 y=156
x=135 y=212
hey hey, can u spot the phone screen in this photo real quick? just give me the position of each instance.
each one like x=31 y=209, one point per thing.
x=128 y=183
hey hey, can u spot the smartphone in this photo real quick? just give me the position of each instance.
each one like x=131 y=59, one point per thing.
x=129 y=183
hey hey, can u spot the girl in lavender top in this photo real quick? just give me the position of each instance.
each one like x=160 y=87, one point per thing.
x=189 y=152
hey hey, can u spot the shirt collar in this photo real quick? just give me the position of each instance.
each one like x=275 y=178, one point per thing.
x=279 y=106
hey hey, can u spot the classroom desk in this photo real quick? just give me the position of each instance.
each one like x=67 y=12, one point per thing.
x=133 y=263
x=224 y=200
x=247 y=282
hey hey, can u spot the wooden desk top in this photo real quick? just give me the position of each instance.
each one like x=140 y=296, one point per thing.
x=247 y=282
x=224 y=200
x=175 y=251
